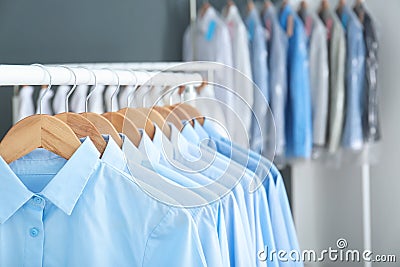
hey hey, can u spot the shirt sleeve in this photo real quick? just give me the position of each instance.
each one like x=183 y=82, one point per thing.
x=174 y=242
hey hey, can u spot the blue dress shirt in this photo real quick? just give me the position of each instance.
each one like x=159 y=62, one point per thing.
x=77 y=213
x=355 y=73
x=298 y=108
x=206 y=218
x=278 y=202
x=277 y=58
x=236 y=223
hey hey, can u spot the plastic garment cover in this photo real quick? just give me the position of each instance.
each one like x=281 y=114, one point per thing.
x=258 y=56
x=46 y=102
x=355 y=70
x=242 y=84
x=277 y=57
x=319 y=75
x=208 y=39
x=298 y=108
x=337 y=57
x=25 y=102
x=370 y=117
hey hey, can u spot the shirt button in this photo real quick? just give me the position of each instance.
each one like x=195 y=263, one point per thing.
x=34 y=232
x=37 y=200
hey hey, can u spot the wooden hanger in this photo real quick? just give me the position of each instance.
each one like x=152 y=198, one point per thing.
x=81 y=126
x=178 y=110
x=169 y=116
x=124 y=125
x=39 y=131
x=193 y=112
x=159 y=120
x=103 y=125
x=250 y=6
x=140 y=120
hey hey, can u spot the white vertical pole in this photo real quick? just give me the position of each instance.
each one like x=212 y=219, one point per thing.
x=193 y=15
x=366 y=197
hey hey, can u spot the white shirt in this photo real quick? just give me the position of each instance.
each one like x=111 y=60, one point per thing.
x=243 y=85
x=59 y=98
x=95 y=103
x=46 y=102
x=107 y=97
x=208 y=39
x=25 y=102
x=78 y=99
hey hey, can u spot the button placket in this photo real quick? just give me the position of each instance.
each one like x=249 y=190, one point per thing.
x=34 y=231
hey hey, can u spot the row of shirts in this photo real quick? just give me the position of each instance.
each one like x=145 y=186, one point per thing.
x=149 y=205
x=320 y=80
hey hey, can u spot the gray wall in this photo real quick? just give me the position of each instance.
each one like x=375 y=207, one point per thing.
x=327 y=201
x=55 y=31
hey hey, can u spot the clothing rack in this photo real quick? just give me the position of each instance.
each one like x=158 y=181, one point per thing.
x=105 y=74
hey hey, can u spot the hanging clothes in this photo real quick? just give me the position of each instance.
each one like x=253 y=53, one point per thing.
x=337 y=58
x=59 y=99
x=46 y=102
x=277 y=58
x=242 y=83
x=26 y=107
x=319 y=75
x=208 y=39
x=371 y=123
x=298 y=109
x=96 y=103
x=38 y=215
x=258 y=56
x=355 y=71
x=78 y=99
x=111 y=103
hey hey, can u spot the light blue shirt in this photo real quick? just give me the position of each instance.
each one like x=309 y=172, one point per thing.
x=206 y=218
x=236 y=227
x=83 y=212
x=277 y=196
x=241 y=191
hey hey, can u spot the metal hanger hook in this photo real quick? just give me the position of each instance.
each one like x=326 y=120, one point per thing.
x=72 y=89
x=114 y=94
x=93 y=88
x=48 y=86
x=147 y=92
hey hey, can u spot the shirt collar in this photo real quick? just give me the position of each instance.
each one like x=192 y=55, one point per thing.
x=64 y=190
x=132 y=153
x=113 y=155
x=164 y=145
x=180 y=143
x=211 y=130
x=200 y=131
x=189 y=133
x=149 y=151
